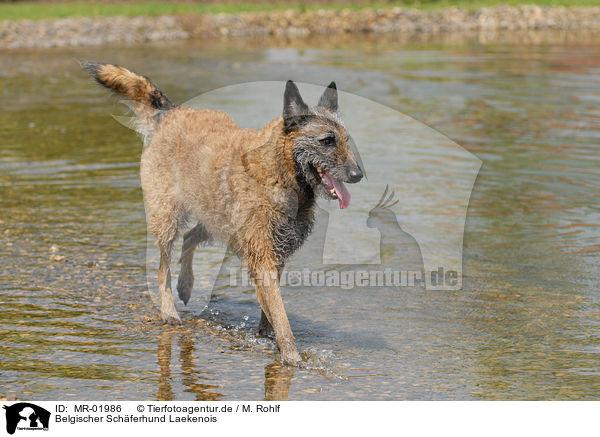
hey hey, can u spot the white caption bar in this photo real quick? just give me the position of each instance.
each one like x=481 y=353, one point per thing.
x=22 y=418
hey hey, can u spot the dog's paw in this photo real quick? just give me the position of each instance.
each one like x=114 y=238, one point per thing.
x=171 y=320
x=265 y=331
x=184 y=287
x=291 y=357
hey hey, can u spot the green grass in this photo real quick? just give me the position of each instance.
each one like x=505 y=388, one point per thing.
x=38 y=11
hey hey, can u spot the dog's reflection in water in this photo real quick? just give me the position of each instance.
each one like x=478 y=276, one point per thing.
x=278 y=378
x=195 y=380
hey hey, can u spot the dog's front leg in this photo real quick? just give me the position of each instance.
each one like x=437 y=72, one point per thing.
x=269 y=297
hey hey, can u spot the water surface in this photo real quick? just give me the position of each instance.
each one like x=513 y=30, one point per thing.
x=76 y=321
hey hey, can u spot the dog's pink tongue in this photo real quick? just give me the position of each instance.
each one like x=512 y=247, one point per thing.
x=340 y=189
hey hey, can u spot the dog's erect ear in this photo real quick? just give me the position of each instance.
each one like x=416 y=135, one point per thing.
x=329 y=99
x=293 y=105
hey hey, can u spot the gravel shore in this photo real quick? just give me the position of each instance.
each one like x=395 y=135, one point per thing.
x=287 y=24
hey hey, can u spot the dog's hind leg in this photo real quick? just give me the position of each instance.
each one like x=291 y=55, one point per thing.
x=264 y=326
x=164 y=219
x=191 y=240
x=168 y=311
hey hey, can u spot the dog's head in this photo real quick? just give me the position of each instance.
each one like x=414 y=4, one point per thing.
x=321 y=149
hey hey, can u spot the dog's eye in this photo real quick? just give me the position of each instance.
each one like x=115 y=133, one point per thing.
x=328 y=141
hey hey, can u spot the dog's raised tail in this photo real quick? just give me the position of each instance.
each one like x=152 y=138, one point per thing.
x=129 y=84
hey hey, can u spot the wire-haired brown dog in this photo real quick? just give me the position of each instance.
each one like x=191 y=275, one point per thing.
x=251 y=189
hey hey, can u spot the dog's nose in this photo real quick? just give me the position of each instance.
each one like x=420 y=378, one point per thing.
x=354 y=175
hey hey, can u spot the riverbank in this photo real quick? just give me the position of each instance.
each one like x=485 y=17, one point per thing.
x=84 y=31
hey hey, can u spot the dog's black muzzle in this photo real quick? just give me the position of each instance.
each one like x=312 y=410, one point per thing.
x=354 y=174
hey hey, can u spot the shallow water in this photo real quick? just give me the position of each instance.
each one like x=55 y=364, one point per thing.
x=77 y=323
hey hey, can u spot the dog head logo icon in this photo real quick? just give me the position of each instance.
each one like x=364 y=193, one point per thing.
x=26 y=416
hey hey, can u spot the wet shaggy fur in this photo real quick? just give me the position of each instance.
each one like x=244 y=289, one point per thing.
x=129 y=84
x=251 y=189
